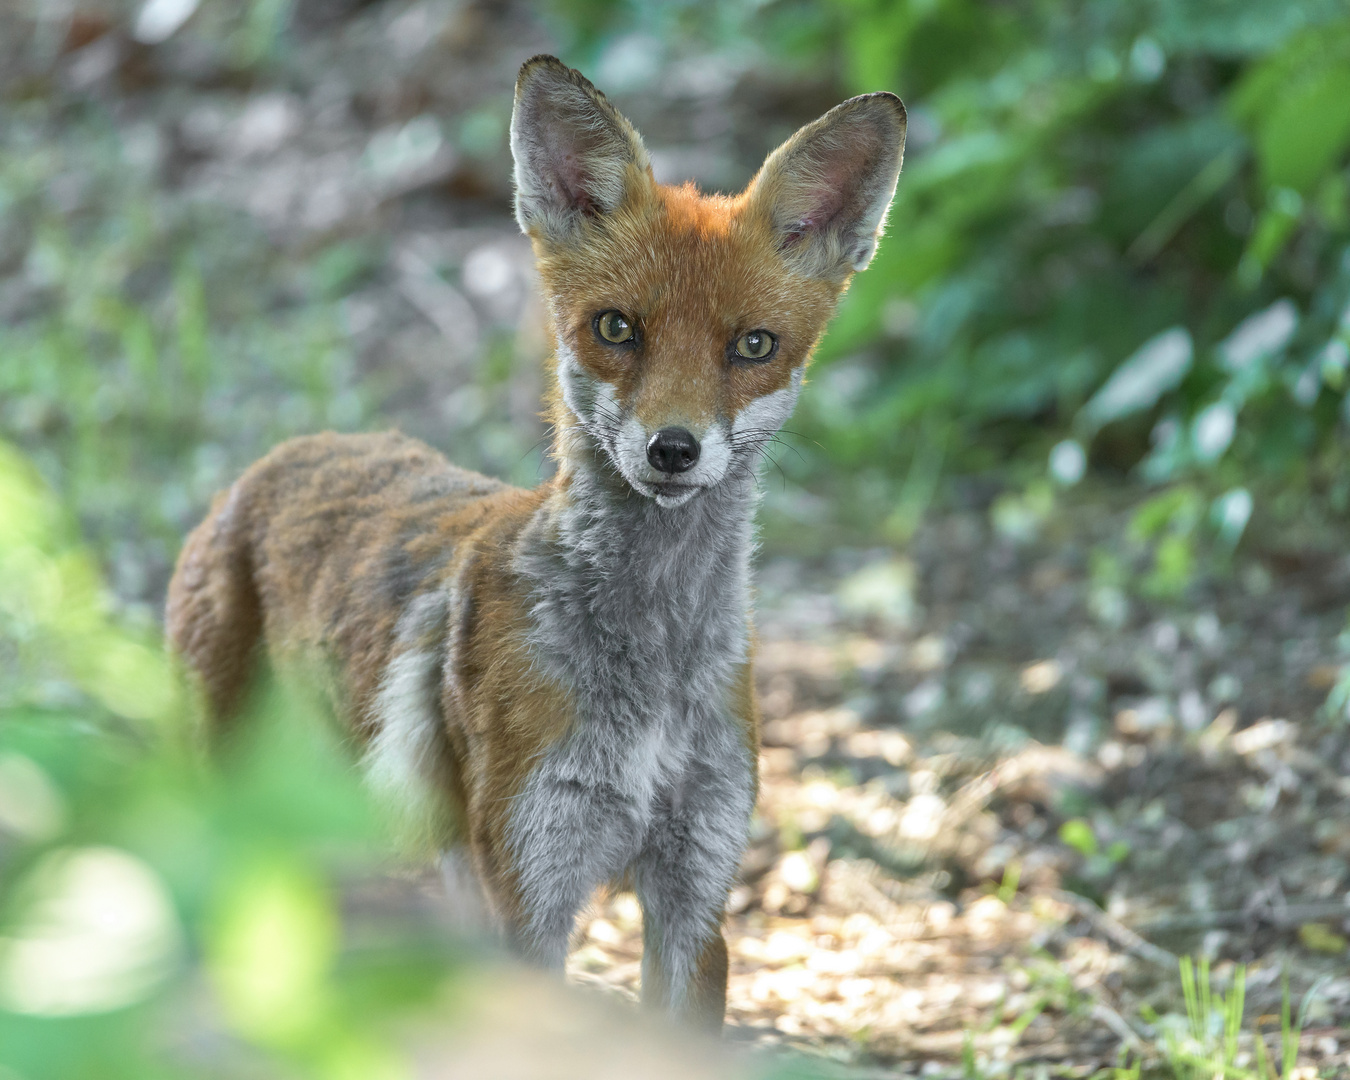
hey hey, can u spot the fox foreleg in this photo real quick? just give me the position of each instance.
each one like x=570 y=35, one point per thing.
x=683 y=874
x=569 y=836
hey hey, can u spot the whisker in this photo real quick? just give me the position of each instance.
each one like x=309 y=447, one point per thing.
x=536 y=445
x=799 y=435
x=758 y=437
x=789 y=446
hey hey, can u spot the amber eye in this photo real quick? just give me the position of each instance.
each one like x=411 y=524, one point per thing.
x=614 y=327
x=756 y=345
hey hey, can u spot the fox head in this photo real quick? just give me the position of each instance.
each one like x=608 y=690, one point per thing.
x=684 y=322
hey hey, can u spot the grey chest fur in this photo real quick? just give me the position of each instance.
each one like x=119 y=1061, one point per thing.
x=643 y=613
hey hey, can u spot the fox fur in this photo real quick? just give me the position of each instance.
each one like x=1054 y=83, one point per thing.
x=560 y=678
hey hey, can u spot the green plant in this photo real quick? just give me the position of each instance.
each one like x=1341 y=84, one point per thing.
x=1207 y=1047
x=1215 y=1024
x=1012 y=875
x=1078 y=834
x=1336 y=708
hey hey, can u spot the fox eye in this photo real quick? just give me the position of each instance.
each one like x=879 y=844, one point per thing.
x=756 y=345
x=614 y=327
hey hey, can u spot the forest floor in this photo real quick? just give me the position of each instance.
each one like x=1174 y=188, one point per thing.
x=1004 y=787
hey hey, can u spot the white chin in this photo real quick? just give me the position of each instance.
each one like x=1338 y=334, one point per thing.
x=675 y=498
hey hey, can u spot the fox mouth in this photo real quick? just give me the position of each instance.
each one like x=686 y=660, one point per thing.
x=668 y=493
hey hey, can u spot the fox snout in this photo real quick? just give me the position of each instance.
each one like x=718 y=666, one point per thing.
x=675 y=462
x=672 y=446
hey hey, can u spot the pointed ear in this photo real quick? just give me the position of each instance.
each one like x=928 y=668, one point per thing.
x=826 y=190
x=576 y=157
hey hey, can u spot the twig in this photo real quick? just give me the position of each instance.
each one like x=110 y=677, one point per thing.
x=1117 y=1023
x=1117 y=931
x=1285 y=918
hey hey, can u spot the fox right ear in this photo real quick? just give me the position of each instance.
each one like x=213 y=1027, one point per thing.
x=826 y=190
x=576 y=156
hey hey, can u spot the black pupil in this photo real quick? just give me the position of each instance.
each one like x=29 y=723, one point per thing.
x=617 y=326
x=754 y=343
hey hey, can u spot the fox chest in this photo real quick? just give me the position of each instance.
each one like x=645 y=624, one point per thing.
x=647 y=631
x=629 y=771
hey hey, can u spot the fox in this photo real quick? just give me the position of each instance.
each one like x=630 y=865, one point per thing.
x=560 y=678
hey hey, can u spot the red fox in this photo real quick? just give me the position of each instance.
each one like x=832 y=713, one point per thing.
x=563 y=675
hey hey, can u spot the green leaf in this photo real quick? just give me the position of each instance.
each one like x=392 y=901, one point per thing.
x=1298 y=105
x=1173 y=566
x=1078 y=834
x=1319 y=938
x=1152 y=370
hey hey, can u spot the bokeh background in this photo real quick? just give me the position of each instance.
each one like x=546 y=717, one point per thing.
x=1053 y=582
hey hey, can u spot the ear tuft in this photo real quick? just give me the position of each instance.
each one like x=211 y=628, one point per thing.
x=827 y=189
x=576 y=157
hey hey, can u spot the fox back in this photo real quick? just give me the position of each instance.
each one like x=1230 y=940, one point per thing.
x=557 y=682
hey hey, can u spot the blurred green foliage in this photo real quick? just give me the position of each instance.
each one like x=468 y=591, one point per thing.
x=1100 y=174
x=159 y=917
x=163 y=335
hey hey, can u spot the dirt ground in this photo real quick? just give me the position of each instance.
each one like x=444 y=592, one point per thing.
x=1002 y=793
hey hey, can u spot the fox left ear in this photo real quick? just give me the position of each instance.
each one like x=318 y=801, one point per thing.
x=576 y=156
x=827 y=189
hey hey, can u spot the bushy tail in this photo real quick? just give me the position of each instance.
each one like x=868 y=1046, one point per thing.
x=213 y=619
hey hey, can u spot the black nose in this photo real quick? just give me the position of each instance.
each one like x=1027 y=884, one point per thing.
x=672 y=450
